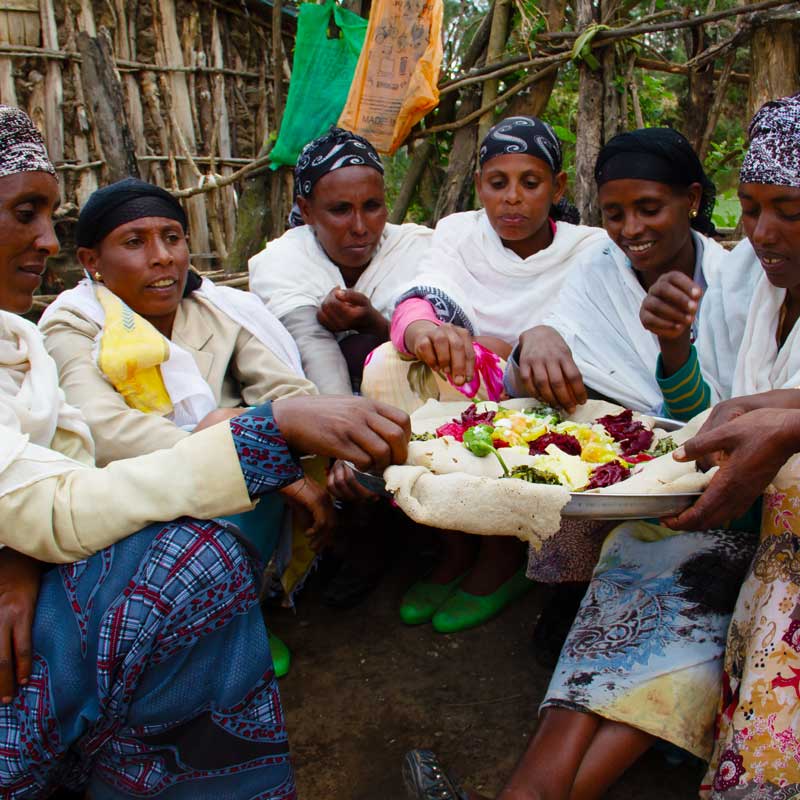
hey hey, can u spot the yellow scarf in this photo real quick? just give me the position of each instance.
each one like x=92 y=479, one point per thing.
x=130 y=354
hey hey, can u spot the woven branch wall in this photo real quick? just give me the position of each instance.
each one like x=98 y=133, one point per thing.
x=195 y=81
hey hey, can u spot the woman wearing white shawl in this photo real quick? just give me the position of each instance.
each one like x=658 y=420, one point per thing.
x=147 y=321
x=148 y=637
x=643 y=658
x=755 y=752
x=657 y=203
x=334 y=277
x=487 y=275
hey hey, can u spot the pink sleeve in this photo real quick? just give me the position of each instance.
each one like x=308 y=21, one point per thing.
x=414 y=309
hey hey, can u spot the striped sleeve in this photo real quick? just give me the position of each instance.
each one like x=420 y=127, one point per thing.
x=685 y=393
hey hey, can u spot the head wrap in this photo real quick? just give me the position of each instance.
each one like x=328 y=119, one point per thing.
x=336 y=149
x=522 y=135
x=122 y=202
x=529 y=136
x=662 y=155
x=21 y=145
x=774 y=152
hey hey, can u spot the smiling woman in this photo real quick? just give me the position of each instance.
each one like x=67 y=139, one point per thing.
x=149 y=352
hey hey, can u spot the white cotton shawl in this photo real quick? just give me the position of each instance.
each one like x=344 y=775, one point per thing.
x=500 y=293
x=740 y=321
x=190 y=394
x=294 y=271
x=32 y=408
x=761 y=366
x=597 y=314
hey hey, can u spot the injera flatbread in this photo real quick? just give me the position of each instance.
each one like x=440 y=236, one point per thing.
x=445 y=486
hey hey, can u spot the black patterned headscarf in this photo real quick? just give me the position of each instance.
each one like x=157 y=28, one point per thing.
x=336 y=149
x=774 y=153
x=21 y=145
x=522 y=135
x=662 y=155
x=528 y=136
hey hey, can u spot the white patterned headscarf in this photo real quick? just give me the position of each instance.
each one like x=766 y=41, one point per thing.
x=773 y=156
x=21 y=145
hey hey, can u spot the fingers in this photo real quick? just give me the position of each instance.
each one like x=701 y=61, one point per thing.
x=541 y=382
x=352 y=297
x=665 y=313
x=447 y=349
x=705 y=443
x=6 y=664
x=342 y=484
x=23 y=648
x=671 y=305
x=713 y=509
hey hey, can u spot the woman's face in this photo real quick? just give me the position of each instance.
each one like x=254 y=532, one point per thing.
x=144 y=262
x=27 y=203
x=771 y=220
x=650 y=221
x=347 y=210
x=517 y=191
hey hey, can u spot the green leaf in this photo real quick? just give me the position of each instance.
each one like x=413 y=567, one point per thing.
x=564 y=134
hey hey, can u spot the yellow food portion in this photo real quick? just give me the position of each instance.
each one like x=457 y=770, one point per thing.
x=572 y=471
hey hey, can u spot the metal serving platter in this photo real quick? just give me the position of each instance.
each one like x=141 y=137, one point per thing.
x=593 y=506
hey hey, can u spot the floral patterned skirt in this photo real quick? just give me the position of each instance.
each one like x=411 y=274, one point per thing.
x=647 y=643
x=757 y=747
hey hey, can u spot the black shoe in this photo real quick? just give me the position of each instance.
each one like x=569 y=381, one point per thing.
x=426 y=780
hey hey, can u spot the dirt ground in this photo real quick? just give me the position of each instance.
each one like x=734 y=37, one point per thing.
x=364 y=689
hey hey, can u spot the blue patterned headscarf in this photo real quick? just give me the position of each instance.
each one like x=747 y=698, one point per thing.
x=336 y=149
x=774 y=153
x=529 y=136
x=522 y=136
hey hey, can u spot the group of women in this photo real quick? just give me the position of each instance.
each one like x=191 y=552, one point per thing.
x=151 y=394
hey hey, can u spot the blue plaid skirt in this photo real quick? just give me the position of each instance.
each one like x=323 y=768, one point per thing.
x=152 y=677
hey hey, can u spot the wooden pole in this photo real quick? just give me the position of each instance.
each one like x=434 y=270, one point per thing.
x=494 y=51
x=776 y=64
x=8 y=91
x=103 y=92
x=277 y=62
x=125 y=46
x=87 y=180
x=53 y=87
x=225 y=196
x=422 y=154
x=589 y=126
x=179 y=107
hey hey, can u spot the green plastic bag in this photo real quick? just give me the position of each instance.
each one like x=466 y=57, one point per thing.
x=321 y=76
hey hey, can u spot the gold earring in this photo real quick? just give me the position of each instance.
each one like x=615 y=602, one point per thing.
x=693 y=213
x=98 y=277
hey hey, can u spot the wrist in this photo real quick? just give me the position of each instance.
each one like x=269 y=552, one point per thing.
x=674 y=353
x=377 y=325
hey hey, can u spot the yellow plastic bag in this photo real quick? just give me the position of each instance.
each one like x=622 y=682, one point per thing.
x=395 y=83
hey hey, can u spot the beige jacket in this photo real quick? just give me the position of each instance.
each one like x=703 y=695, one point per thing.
x=240 y=370
x=69 y=517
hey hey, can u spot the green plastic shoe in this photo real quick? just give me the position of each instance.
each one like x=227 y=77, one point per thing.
x=281 y=657
x=423 y=599
x=464 y=610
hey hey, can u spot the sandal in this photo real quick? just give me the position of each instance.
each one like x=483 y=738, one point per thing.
x=426 y=780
